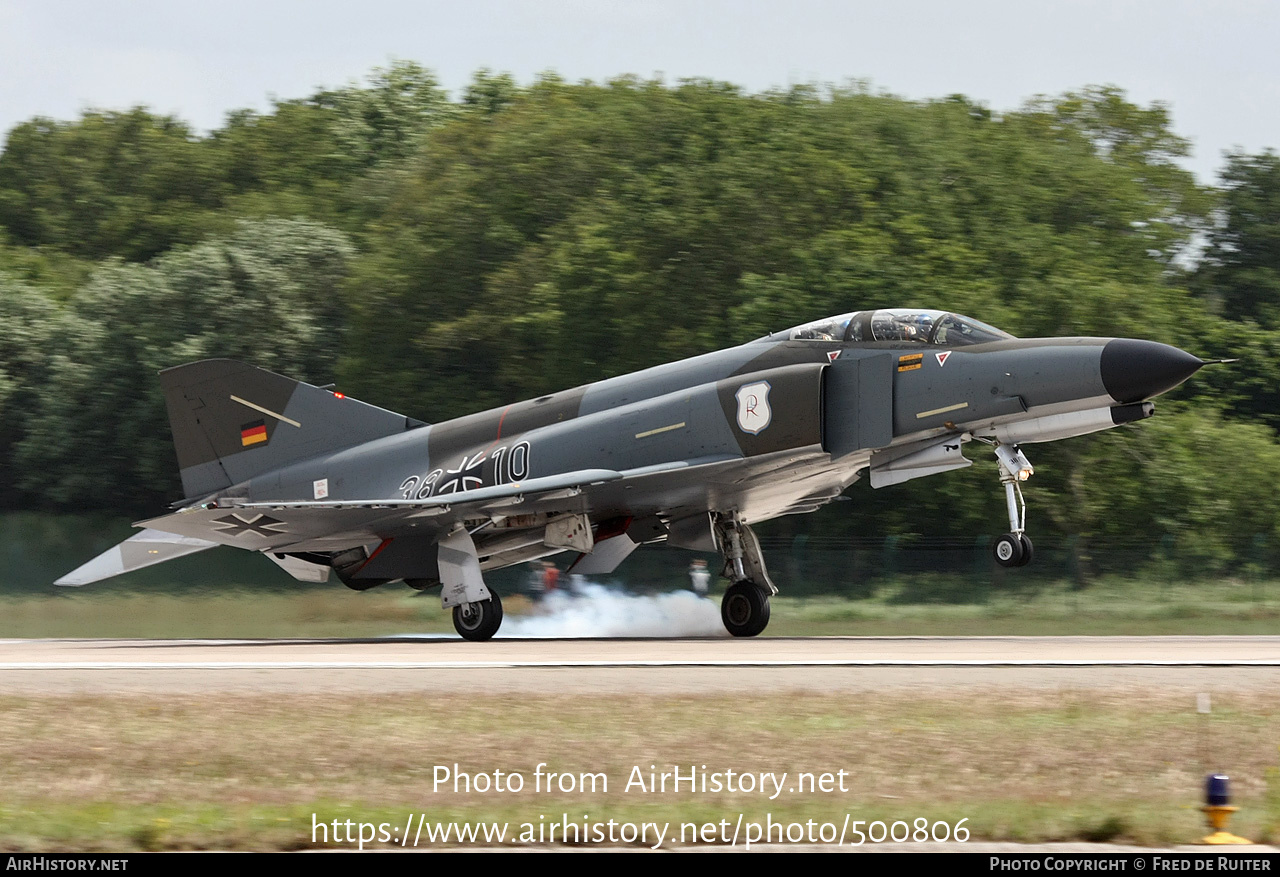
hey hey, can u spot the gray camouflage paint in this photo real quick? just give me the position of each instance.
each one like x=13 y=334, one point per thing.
x=780 y=426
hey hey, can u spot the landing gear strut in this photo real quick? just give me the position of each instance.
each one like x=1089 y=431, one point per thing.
x=1014 y=548
x=745 y=607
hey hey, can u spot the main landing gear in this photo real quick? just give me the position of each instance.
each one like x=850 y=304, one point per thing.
x=745 y=607
x=480 y=620
x=477 y=610
x=1014 y=548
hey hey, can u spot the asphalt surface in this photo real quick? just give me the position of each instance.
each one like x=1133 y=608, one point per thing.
x=832 y=665
x=827 y=664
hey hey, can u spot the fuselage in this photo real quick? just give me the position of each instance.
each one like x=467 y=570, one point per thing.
x=691 y=453
x=776 y=426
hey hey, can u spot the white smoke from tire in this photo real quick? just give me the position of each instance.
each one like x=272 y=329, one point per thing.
x=587 y=609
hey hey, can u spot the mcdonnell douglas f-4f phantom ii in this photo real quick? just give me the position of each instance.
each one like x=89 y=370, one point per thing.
x=692 y=453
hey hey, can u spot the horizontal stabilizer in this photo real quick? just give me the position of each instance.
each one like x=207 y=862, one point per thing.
x=137 y=552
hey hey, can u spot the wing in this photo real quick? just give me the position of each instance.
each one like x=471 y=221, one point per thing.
x=515 y=518
x=328 y=526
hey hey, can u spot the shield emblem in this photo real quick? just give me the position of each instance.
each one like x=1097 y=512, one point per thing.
x=754 y=413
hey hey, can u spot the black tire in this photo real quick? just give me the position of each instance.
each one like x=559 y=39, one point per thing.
x=478 y=621
x=1007 y=550
x=744 y=609
x=1028 y=550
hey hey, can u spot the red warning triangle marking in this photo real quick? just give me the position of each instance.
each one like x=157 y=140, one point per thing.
x=942 y=357
x=833 y=355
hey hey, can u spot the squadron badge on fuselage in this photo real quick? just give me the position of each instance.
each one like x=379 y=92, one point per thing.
x=754 y=413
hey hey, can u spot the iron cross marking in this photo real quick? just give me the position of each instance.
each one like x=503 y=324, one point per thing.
x=260 y=525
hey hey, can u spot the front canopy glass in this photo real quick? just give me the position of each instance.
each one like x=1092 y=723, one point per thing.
x=900 y=325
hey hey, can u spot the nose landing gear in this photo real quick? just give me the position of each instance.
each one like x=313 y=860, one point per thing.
x=1014 y=548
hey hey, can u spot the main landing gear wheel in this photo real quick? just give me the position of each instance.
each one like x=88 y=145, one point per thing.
x=478 y=621
x=745 y=609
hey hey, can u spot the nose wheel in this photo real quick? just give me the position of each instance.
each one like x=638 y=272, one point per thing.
x=1014 y=548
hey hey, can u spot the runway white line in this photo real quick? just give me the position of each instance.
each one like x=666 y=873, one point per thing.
x=506 y=665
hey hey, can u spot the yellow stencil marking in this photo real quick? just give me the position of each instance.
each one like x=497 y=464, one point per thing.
x=955 y=407
x=650 y=432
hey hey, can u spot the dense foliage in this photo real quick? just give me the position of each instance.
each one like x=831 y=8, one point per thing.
x=439 y=256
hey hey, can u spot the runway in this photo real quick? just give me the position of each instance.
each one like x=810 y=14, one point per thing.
x=694 y=666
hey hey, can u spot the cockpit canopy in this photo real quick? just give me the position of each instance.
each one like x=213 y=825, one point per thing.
x=900 y=325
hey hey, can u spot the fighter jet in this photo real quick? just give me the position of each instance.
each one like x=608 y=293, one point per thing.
x=691 y=453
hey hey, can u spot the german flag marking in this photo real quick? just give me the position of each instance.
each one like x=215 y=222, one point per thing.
x=253 y=433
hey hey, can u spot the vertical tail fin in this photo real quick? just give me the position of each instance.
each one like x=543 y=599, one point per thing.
x=232 y=421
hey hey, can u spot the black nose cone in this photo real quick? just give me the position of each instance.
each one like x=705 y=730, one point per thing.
x=1137 y=370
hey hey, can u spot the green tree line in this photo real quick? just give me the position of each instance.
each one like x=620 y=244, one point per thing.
x=436 y=256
